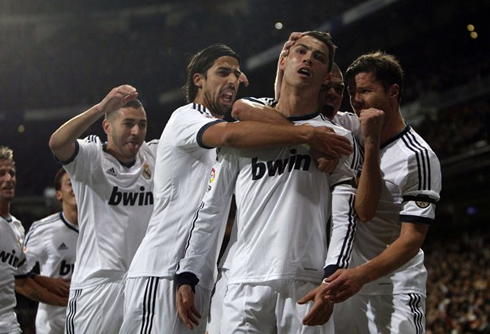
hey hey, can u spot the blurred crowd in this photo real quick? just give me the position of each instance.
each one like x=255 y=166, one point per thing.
x=458 y=285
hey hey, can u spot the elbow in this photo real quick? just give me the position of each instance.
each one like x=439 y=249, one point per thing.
x=364 y=215
x=238 y=109
x=54 y=143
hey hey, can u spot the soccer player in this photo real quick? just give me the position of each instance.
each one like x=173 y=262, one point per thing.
x=113 y=185
x=283 y=207
x=185 y=156
x=12 y=259
x=384 y=289
x=51 y=242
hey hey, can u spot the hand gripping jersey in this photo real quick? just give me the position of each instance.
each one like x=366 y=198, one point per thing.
x=412 y=183
x=11 y=257
x=114 y=206
x=181 y=174
x=284 y=204
x=52 y=243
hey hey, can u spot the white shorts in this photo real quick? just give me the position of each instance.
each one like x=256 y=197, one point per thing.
x=216 y=308
x=50 y=319
x=150 y=307
x=403 y=313
x=268 y=307
x=96 y=309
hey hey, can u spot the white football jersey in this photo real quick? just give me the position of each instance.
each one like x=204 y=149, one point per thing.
x=52 y=243
x=11 y=257
x=115 y=203
x=181 y=174
x=412 y=183
x=284 y=204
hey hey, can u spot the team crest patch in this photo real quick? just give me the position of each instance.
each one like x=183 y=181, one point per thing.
x=422 y=204
x=146 y=171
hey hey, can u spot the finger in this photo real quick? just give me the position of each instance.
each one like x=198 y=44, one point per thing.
x=309 y=296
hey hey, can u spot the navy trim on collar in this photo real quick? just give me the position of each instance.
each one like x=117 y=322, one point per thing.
x=65 y=221
x=398 y=136
x=303 y=117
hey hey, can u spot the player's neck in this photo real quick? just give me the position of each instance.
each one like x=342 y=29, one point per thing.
x=294 y=101
x=393 y=125
x=5 y=209
x=71 y=214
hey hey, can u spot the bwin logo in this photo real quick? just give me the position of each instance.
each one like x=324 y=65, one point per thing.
x=131 y=198
x=278 y=167
x=9 y=258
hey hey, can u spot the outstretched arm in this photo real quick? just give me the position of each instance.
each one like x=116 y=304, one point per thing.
x=344 y=283
x=62 y=141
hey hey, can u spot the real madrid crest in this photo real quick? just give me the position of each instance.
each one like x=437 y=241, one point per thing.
x=422 y=204
x=146 y=171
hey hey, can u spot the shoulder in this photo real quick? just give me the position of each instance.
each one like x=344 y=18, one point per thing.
x=43 y=224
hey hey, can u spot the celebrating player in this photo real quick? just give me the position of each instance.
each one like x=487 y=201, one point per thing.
x=113 y=185
x=52 y=242
x=283 y=206
x=185 y=156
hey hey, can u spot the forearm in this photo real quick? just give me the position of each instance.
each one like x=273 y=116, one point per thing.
x=395 y=255
x=370 y=183
x=343 y=229
x=62 y=141
x=30 y=289
x=245 y=110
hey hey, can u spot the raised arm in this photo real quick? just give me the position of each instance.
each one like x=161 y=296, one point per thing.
x=62 y=141
x=284 y=52
x=370 y=182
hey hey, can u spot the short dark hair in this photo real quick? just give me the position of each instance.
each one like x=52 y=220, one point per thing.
x=384 y=66
x=326 y=38
x=135 y=104
x=201 y=62
x=57 y=178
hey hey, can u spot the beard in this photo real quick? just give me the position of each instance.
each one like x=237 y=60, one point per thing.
x=215 y=107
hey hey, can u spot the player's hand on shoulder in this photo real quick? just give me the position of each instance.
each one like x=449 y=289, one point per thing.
x=324 y=140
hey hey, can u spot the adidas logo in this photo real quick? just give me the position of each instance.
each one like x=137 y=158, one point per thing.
x=111 y=171
x=62 y=246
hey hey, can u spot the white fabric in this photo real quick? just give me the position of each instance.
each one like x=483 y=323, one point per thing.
x=97 y=309
x=52 y=243
x=412 y=183
x=269 y=308
x=182 y=170
x=150 y=307
x=283 y=206
x=362 y=314
x=11 y=256
x=114 y=207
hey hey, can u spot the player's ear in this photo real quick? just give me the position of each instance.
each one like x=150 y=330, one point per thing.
x=282 y=63
x=198 y=79
x=59 y=195
x=394 y=91
x=106 y=125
